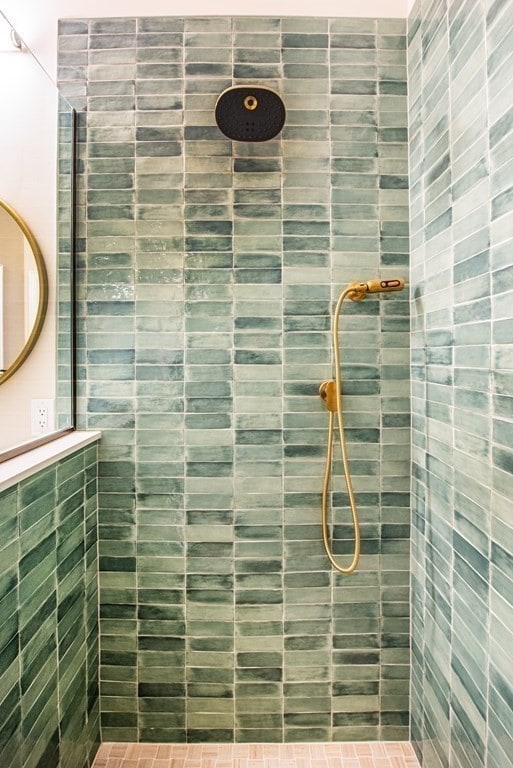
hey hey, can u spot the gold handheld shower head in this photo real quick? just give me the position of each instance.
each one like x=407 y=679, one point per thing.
x=330 y=391
x=358 y=291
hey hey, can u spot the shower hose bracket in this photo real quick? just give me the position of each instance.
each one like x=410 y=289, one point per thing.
x=328 y=393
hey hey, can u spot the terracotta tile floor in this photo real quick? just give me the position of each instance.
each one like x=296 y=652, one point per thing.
x=323 y=755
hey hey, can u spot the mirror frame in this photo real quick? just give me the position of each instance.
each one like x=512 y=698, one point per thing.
x=43 y=294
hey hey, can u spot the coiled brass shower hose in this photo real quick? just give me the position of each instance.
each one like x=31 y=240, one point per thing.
x=330 y=391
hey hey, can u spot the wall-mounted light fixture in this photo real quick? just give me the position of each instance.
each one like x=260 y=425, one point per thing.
x=10 y=41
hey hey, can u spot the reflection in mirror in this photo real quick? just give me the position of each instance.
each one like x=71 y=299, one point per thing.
x=23 y=291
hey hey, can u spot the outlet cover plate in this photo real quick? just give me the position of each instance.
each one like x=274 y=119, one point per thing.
x=42 y=416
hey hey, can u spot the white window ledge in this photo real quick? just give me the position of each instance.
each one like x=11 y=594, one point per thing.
x=27 y=464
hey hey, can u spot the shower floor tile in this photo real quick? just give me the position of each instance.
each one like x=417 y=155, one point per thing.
x=397 y=754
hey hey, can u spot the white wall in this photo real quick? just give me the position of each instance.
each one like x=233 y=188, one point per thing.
x=36 y=21
x=28 y=151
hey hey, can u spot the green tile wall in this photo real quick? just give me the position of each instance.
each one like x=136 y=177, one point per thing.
x=460 y=79
x=64 y=288
x=208 y=272
x=49 y=703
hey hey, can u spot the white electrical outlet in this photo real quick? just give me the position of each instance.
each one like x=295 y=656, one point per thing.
x=42 y=417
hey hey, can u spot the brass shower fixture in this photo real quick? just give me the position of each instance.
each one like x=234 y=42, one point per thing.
x=330 y=392
x=358 y=291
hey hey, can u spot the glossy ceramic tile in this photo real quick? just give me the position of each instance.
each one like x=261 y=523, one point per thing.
x=208 y=273
x=462 y=628
x=49 y=702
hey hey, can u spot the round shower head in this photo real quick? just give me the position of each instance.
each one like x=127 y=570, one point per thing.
x=250 y=113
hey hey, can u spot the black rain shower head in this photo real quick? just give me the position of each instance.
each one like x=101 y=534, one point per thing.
x=250 y=113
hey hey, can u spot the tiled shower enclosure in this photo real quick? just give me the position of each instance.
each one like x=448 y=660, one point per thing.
x=208 y=272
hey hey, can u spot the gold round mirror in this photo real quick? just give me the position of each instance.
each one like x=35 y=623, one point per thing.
x=23 y=291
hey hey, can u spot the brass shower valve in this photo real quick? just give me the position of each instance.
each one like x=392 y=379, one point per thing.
x=357 y=291
x=328 y=393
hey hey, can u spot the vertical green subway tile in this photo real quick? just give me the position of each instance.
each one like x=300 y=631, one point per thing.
x=211 y=274
x=462 y=190
x=46 y=654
